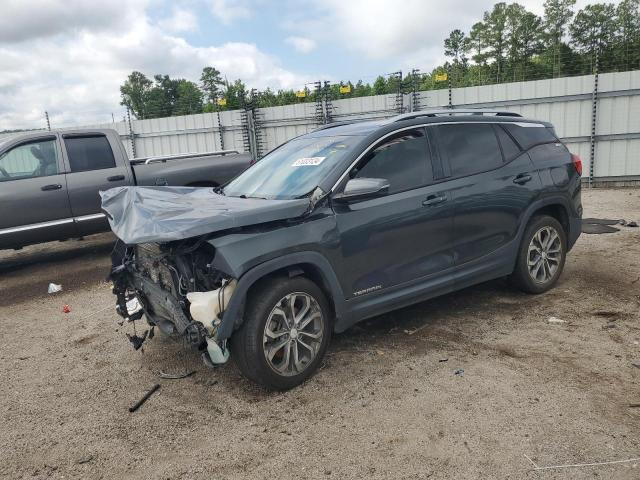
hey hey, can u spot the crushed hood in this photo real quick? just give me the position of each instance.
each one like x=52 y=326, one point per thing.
x=163 y=214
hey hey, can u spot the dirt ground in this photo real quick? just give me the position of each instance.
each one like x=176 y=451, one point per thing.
x=385 y=404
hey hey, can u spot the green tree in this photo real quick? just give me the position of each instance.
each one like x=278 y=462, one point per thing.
x=134 y=93
x=212 y=83
x=189 y=98
x=557 y=15
x=496 y=36
x=628 y=34
x=523 y=37
x=455 y=46
x=594 y=28
x=380 y=86
x=236 y=94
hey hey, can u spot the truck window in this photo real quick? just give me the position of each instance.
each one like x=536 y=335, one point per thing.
x=37 y=158
x=471 y=148
x=89 y=153
x=527 y=137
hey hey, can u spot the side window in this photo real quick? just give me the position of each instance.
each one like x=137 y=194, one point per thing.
x=89 y=153
x=29 y=160
x=509 y=148
x=403 y=159
x=471 y=148
x=530 y=136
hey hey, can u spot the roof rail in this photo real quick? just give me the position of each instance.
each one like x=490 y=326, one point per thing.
x=331 y=125
x=452 y=111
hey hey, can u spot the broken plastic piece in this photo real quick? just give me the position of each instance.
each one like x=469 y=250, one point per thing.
x=133 y=306
x=459 y=372
x=206 y=306
x=66 y=309
x=555 y=321
x=217 y=355
x=54 y=288
x=137 y=341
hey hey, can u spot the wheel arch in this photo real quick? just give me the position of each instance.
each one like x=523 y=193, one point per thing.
x=313 y=265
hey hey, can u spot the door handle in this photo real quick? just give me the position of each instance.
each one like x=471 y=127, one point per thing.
x=522 y=178
x=53 y=186
x=432 y=200
x=115 y=178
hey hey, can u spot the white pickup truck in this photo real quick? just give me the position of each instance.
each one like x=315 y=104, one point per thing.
x=49 y=181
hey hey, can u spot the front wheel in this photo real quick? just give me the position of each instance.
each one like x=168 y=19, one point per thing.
x=285 y=334
x=542 y=255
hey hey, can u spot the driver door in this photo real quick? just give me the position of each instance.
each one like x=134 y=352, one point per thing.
x=404 y=235
x=33 y=193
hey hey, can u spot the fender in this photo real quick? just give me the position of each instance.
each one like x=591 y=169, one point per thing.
x=235 y=308
x=544 y=202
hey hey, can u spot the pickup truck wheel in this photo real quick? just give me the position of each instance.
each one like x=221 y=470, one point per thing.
x=541 y=256
x=285 y=334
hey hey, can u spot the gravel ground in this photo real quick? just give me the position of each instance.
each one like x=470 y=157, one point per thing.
x=386 y=403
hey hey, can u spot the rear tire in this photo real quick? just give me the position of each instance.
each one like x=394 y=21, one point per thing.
x=285 y=334
x=541 y=256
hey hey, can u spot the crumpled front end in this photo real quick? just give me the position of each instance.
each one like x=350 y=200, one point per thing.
x=176 y=289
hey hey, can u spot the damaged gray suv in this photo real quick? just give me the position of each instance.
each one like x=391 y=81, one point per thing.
x=342 y=224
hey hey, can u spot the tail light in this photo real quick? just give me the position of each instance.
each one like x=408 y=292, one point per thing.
x=577 y=163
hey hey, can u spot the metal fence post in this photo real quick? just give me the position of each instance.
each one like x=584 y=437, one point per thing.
x=449 y=86
x=220 y=131
x=594 y=118
x=46 y=114
x=131 y=135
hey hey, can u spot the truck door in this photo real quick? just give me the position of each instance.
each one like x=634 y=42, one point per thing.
x=34 y=205
x=92 y=167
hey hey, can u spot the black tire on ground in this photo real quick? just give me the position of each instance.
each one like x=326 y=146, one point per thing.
x=521 y=277
x=247 y=346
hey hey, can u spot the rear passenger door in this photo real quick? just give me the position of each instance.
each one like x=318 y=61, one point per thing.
x=492 y=183
x=92 y=167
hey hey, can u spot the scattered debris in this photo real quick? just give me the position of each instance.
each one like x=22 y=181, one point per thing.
x=144 y=398
x=609 y=325
x=576 y=465
x=54 y=288
x=555 y=321
x=607 y=313
x=137 y=341
x=632 y=224
x=634 y=405
x=443 y=360
x=459 y=372
x=637 y=365
x=596 y=229
x=85 y=459
x=175 y=376
x=66 y=309
x=601 y=221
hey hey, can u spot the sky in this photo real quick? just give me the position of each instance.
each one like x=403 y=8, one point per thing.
x=69 y=57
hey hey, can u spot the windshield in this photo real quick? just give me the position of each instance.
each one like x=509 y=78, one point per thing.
x=293 y=170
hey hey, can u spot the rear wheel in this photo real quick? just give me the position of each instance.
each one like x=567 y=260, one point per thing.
x=542 y=255
x=285 y=334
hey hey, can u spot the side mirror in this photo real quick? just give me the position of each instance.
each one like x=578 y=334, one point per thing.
x=361 y=188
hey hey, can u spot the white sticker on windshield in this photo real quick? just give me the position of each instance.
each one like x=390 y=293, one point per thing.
x=308 y=161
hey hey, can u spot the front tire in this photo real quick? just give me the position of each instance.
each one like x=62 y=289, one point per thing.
x=285 y=334
x=541 y=256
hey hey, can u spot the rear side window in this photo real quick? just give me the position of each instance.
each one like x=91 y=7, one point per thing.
x=89 y=153
x=509 y=148
x=471 y=148
x=527 y=137
x=403 y=159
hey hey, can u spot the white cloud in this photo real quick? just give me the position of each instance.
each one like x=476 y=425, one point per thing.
x=301 y=44
x=179 y=21
x=228 y=10
x=76 y=73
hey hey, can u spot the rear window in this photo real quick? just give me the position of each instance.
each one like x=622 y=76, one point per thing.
x=527 y=137
x=509 y=148
x=89 y=153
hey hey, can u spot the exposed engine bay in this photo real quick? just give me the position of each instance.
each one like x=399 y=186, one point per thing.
x=177 y=290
